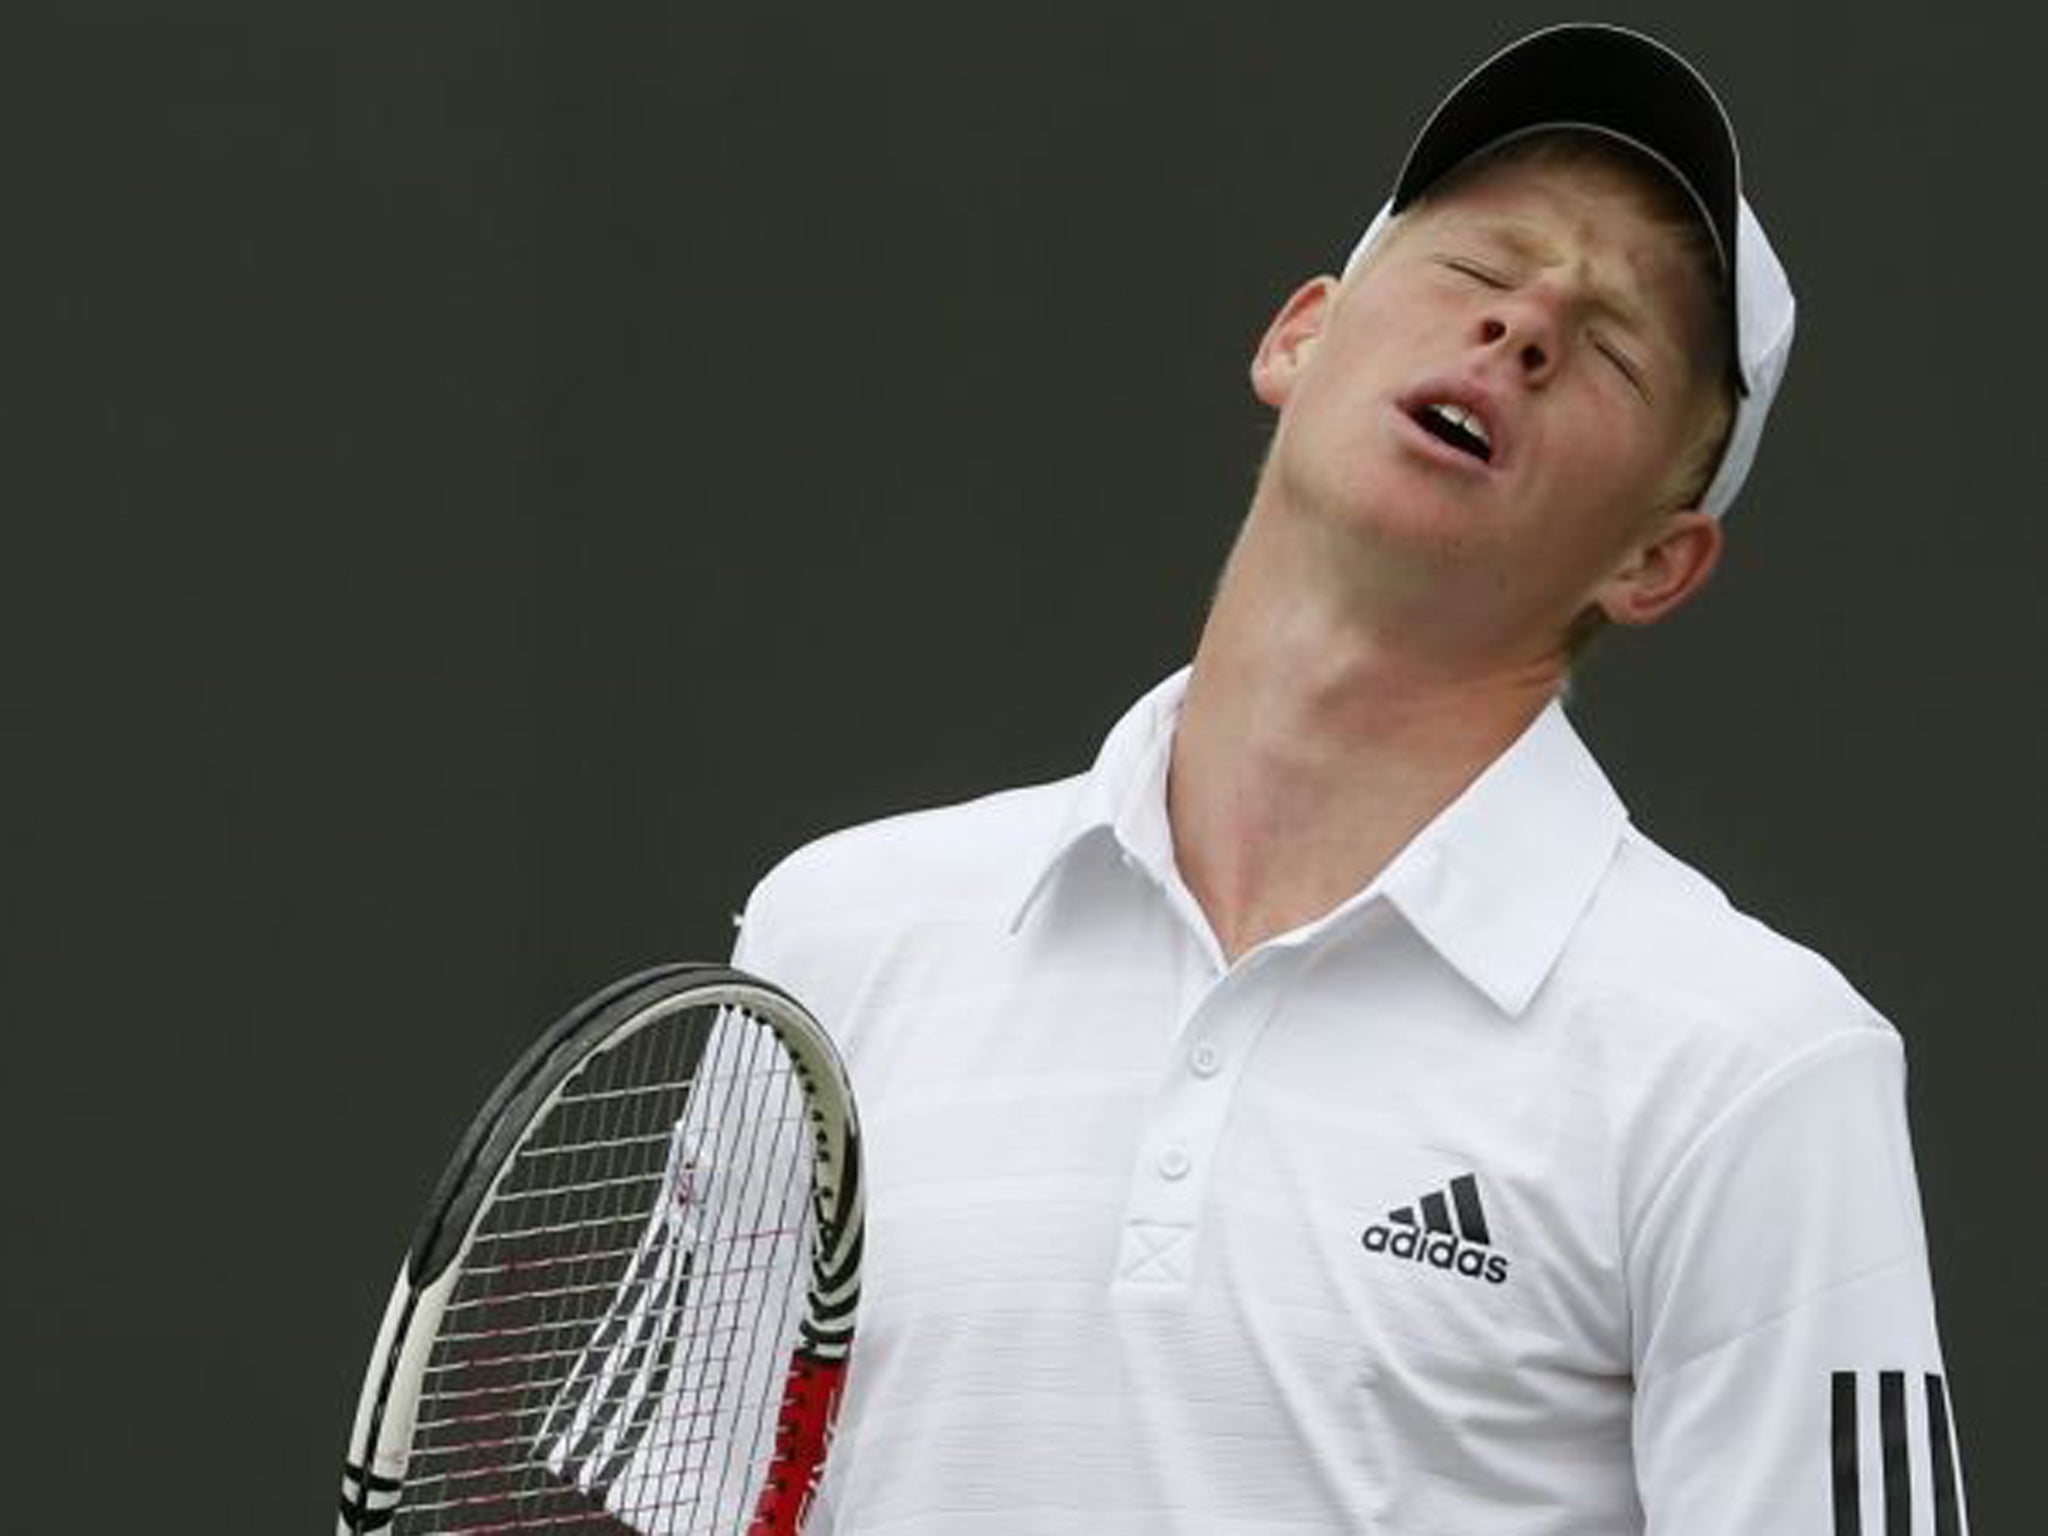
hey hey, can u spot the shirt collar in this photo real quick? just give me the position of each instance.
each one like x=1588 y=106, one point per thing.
x=1498 y=881
x=1127 y=783
x=1495 y=883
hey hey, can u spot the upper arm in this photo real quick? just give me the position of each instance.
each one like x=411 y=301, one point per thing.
x=1787 y=1364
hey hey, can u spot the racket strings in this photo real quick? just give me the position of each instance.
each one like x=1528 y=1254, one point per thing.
x=578 y=1332
x=684 y=1431
x=621 y=1323
x=603 y=1292
x=597 y=1254
x=539 y=1233
x=706 y=1461
x=525 y=1435
x=776 y=1140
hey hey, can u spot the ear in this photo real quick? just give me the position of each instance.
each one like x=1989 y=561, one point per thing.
x=1290 y=339
x=1658 y=574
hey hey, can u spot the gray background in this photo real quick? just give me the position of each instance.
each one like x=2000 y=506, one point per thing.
x=483 y=480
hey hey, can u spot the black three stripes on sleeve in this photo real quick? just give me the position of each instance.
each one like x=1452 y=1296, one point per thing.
x=1896 y=1456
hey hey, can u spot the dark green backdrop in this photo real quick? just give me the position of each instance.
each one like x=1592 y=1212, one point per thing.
x=484 y=479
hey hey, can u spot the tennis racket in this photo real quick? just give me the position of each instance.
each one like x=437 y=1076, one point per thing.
x=632 y=1295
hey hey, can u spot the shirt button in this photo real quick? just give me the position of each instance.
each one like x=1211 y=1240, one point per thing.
x=1205 y=1060
x=1174 y=1162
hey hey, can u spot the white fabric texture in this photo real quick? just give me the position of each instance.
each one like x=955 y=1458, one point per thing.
x=1121 y=1273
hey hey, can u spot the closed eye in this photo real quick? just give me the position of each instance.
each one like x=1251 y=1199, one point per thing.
x=1472 y=269
x=1625 y=365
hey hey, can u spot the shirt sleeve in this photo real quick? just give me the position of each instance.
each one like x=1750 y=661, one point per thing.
x=1788 y=1373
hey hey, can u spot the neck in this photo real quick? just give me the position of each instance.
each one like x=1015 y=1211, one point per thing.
x=1314 y=744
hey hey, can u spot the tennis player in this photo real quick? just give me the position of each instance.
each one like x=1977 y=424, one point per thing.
x=1328 y=1113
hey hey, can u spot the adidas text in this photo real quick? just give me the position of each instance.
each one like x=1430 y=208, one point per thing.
x=1439 y=1250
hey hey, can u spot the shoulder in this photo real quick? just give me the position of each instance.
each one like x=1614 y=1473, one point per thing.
x=829 y=920
x=1738 y=1071
x=1664 y=947
x=967 y=857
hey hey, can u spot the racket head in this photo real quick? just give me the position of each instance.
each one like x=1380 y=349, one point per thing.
x=635 y=1284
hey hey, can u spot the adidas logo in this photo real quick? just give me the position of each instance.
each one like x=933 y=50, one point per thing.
x=1432 y=1239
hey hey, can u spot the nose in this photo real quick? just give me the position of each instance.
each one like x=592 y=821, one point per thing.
x=1524 y=330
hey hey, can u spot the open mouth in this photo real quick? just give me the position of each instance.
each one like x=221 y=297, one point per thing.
x=1462 y=429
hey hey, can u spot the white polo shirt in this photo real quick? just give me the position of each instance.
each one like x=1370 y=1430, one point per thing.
x=1532 y=1190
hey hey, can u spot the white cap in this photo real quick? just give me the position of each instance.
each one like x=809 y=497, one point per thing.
x=1608 y=80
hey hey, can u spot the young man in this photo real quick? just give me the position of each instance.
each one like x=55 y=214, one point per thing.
x=1328 y=1113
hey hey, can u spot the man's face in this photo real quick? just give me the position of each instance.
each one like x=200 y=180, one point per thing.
x=1499 y=404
